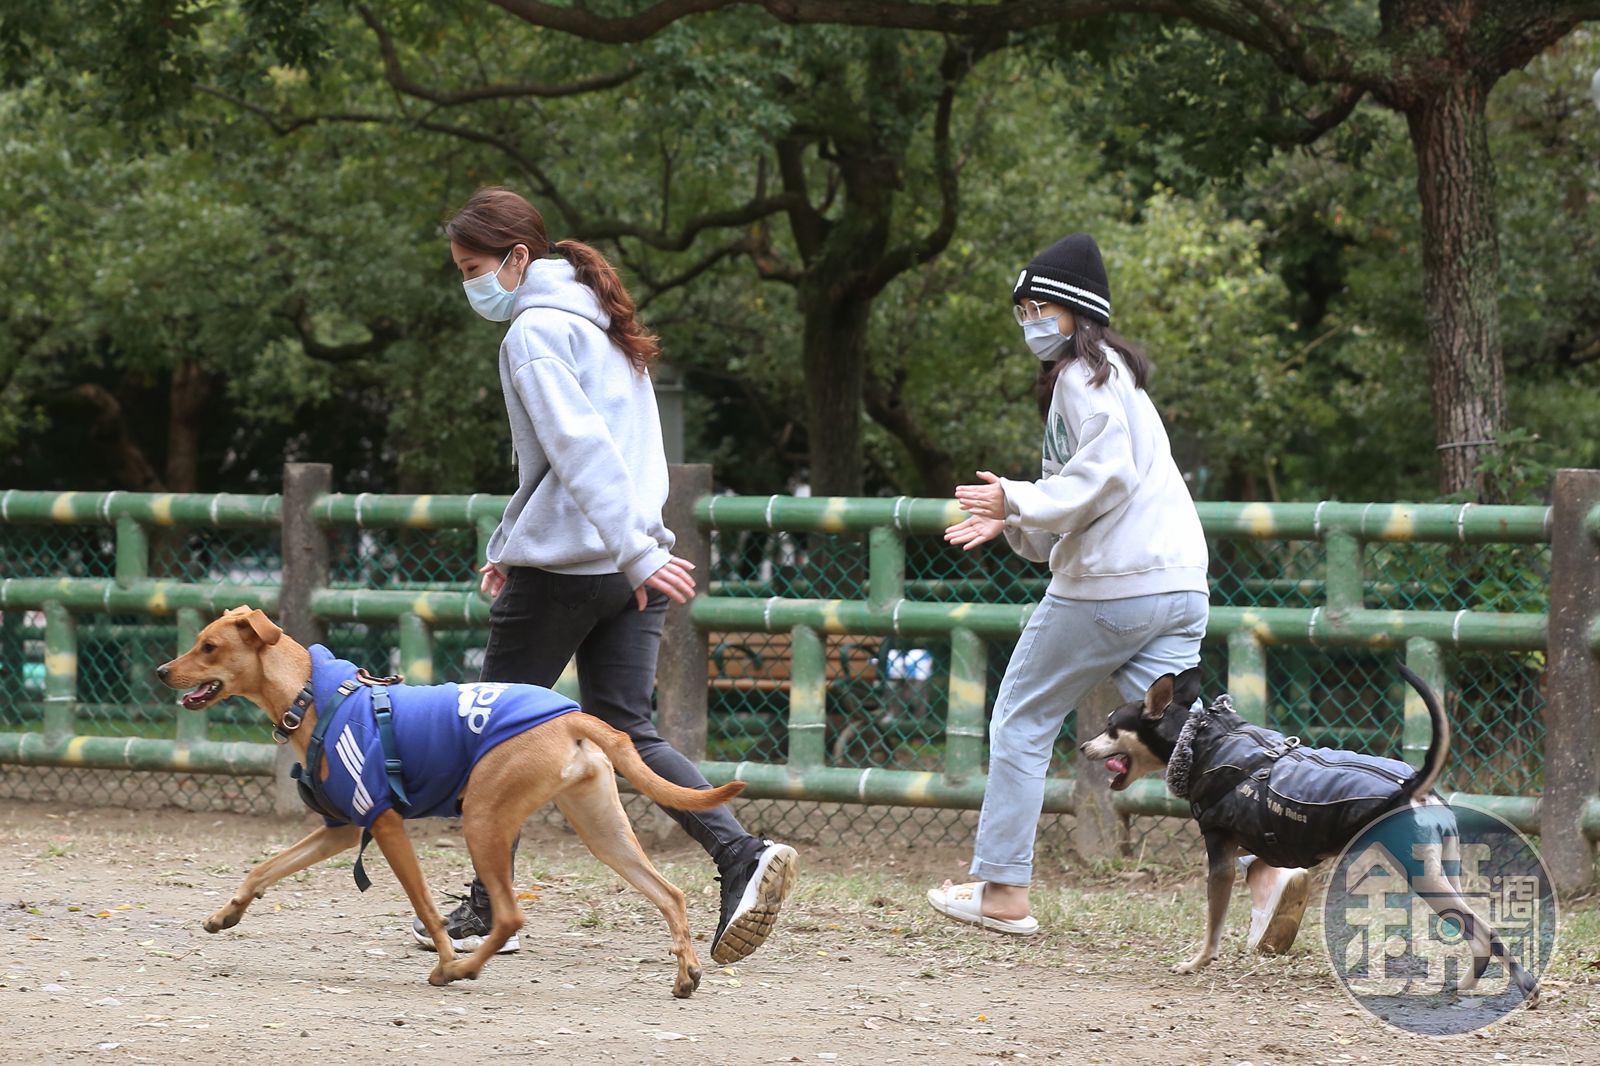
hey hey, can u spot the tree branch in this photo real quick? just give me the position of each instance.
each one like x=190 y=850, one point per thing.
x=1263 y=25
x=753 y=211
x=283 y=125
x=956 y=64
x=809 y=226
x=894 y=14
x=885 y=405
x=383 y=332
x=1317 y=123
x=395 y=73
x=659 y=286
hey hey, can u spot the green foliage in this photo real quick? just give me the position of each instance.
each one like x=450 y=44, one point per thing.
x=146 y=224
x=120 y=265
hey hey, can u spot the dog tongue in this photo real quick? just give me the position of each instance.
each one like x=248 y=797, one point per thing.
x=1117 y=764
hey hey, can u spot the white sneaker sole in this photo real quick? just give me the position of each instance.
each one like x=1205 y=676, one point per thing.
x=466 y=943
x=1273 y=932
x=758 y=908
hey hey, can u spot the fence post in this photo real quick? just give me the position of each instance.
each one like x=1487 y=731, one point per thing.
x=1572 y=709
x=416 y=649
x=808 y=699
x=1099 y=830
x=60 y=671
x=192 y=725
x=1343 y=580
x=305 y=569
x=1426 y=660
x=133 y=551
x=1247 y=676
x=681 y=670
x=965 y=728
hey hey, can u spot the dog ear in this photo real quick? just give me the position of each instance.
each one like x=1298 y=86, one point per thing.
x=1159 y=697
x=259 y=625
x=1187 y=688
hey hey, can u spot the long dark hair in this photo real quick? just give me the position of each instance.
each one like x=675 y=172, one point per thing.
x=1085 y=347
x=495 y=220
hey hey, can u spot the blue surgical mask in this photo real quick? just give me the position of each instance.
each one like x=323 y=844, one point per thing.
x=488 y=297
x=1044 y=337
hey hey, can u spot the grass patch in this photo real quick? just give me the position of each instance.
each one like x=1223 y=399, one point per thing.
x=1120 y=911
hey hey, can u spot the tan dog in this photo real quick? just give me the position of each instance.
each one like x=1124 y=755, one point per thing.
x=569 y=759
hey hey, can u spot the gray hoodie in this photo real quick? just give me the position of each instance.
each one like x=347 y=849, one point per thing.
x=1111 y=513
x=591 y=468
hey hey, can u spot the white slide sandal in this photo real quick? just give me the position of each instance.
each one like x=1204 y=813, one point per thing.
x=964 y=903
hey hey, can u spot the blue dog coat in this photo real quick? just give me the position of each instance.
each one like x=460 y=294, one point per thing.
x=440 y=733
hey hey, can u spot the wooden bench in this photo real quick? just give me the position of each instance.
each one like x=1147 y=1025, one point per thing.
x=762 y=662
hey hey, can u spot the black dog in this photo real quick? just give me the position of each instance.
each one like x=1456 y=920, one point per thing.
x=1256 y=791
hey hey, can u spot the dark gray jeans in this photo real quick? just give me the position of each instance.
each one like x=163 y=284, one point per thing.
x=536 y=624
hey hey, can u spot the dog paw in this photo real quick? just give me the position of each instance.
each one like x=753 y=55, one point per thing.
x=686 y=983
x=437 y=976
x=226 y=918
x=1194 y=965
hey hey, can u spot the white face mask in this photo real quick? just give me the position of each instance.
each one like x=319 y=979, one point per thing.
x=1044 y=337
x=490 y=298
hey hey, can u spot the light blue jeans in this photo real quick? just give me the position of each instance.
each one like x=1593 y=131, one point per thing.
x=1069 y=647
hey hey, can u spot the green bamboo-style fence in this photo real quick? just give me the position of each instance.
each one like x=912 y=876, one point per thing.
x=891 y=604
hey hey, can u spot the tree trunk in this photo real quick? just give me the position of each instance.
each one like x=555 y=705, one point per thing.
x=1461 y=275
x=935 y=467
x=188 y=394
x=835 y=359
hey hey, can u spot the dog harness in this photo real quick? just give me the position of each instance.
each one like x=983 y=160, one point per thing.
x=1288 y=804
x=410 y=748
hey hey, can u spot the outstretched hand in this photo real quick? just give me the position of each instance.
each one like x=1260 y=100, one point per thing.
x=971 y=532
x=673 y=579
x=983 y=501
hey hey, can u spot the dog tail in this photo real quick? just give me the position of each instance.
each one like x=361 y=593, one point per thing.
x=619 y=748
x=1422 y=781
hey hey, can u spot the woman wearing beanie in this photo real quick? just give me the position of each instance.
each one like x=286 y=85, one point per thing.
x=1128 y=593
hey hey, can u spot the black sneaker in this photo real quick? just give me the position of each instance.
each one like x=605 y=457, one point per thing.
x=467 y=925
x=751 y=899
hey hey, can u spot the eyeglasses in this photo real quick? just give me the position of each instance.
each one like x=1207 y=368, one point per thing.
x=1027 y=311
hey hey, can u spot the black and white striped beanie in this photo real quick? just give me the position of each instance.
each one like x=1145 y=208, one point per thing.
x=1070 y=273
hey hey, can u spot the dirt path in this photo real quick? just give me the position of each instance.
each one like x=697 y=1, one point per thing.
x=107 y=961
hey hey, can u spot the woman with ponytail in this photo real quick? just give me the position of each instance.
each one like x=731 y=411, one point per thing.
x=581 y=563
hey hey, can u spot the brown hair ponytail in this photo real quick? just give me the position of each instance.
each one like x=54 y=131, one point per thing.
x=494 y=220
x=625 y=331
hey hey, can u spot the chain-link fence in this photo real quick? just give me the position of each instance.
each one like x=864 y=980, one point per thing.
x=129 y=602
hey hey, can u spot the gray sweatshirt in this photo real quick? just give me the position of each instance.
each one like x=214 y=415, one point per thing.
x=1111 y=514
x=591 y=467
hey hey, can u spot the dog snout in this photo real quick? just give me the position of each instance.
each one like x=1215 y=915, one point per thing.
x=163 y=670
